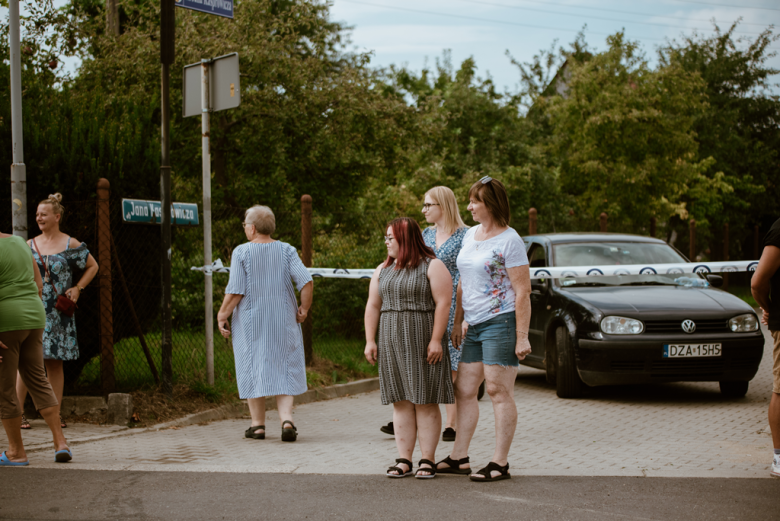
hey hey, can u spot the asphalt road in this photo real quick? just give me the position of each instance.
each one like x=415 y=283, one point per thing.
x=106 y=495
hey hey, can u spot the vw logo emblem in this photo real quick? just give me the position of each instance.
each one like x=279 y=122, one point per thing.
x=689 y=326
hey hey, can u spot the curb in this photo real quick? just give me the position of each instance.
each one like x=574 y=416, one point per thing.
x=233 y=410
x=237 y=410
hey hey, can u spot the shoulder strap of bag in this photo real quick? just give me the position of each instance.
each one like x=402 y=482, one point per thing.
x=45 y=267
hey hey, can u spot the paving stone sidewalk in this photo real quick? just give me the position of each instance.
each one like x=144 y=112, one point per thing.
x=675 y=430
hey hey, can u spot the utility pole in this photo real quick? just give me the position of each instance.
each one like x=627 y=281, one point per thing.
x=18 y=170
x=167 y=42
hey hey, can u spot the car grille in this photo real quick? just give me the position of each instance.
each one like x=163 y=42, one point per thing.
x=627 y=366
x=694 y=367
x=675 y=326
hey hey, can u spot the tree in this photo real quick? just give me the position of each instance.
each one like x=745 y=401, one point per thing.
x=467 y=129
x=624 y=139
x=740 y=127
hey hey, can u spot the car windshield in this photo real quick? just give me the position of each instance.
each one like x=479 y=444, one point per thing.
x=622 y=253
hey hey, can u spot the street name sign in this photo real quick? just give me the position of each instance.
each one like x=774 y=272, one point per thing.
x=141 y=211
x=217 y=7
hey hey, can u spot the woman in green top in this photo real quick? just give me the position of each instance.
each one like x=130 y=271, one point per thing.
x=22 y=319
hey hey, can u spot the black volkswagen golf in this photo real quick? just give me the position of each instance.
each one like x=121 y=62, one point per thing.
x=635 y=329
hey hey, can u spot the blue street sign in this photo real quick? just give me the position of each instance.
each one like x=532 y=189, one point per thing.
x=217 y=7
x=142 y=211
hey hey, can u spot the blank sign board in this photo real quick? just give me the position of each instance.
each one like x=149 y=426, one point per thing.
x=224 y=85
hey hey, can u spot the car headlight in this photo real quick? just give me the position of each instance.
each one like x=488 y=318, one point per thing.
x=621 y=326
x=742 y=323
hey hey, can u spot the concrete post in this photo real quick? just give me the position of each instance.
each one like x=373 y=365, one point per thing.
x=306 y=250
x=120 y=408
x=532 y=221
x=106 y=313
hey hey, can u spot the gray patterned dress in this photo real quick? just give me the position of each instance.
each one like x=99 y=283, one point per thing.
x=405 y=330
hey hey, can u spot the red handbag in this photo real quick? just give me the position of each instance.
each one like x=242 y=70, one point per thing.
x=64 y=305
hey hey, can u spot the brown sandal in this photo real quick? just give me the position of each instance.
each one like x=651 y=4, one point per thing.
x=25 y=423
x=63 y=425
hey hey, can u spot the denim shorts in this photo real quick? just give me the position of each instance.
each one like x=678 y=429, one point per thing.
x=491 y=342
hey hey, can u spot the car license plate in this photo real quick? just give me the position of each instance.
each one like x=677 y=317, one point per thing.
x=691 y=350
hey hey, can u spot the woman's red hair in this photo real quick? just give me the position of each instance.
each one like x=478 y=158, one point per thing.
x=411 y=246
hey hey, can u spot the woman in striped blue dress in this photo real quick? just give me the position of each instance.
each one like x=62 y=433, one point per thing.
x=267 y=338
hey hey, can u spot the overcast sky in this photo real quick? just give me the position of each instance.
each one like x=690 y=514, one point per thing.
x=415 y=32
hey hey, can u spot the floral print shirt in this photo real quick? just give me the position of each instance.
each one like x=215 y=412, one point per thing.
x=487 y=290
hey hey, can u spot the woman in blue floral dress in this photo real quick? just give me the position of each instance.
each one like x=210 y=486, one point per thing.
x=445 y=238
x=58 y=256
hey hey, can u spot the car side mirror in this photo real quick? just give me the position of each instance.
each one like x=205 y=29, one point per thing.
x=539 y=285
x=715 y=281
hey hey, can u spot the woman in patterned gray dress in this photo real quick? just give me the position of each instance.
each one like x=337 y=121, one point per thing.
x=58 y=256
x=409 y=302
x=445 y=238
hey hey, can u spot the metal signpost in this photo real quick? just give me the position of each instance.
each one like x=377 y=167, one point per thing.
x=167 y=52
x=210 y=85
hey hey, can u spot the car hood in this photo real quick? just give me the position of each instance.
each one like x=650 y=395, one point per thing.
x=663 y=301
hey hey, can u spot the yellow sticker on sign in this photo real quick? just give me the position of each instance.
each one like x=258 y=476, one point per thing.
x=232 y=90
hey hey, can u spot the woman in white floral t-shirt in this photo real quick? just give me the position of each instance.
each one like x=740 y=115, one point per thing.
x=491 y=326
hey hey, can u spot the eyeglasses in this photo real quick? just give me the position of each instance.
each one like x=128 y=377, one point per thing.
x=427 y=206
x=246 y=224
x=388 y=239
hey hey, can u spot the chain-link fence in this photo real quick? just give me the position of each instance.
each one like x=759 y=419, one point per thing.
x=337 y=313
x=339 y=240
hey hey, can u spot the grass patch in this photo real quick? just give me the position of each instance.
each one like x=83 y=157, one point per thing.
x=132 y=371
x=338 y=361
x=745 y=294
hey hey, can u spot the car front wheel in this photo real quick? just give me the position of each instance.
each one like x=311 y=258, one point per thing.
x=567 y=380
x=734 y=389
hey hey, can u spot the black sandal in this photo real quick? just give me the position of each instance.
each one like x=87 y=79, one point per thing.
x=289 y=433
x=250 y=432
x=63 y=425
x=490 y=468
x=448 y=434
x=454 y=466
x=25 y=423
x=401 y=472
x=431 y=469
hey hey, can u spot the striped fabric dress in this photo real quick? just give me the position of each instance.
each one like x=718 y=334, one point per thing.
x=405 y=329
x=267 y=341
